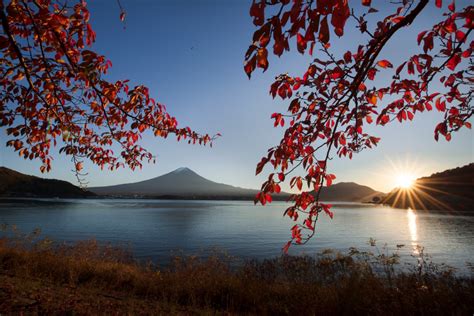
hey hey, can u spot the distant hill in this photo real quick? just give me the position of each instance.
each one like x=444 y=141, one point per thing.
x=16 y=184
x=451 y=190
x=180 y=183
x=185 y=183
x=349 y=192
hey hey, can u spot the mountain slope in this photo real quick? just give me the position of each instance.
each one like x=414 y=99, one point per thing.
x=185 y=183
x=348 y=192
x=16 y=184
x=182 y=182
x=451 y=190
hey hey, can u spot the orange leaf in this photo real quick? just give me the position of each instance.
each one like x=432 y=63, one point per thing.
x=262 y=61
x=384 y=64
x=79 y=166
x=372 y=99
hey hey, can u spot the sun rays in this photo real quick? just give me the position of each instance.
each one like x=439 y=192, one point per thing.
x=411 y=190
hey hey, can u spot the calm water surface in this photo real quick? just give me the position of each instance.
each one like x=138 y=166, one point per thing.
x=155 y=229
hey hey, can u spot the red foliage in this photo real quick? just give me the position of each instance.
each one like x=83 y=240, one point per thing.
x=332 y=101
x=53 y=90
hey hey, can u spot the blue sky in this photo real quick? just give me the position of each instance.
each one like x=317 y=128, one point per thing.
x=190 y=55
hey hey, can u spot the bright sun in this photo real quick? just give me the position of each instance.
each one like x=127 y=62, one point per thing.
x=405 y=181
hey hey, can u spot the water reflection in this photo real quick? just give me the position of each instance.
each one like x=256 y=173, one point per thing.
x=155 y=228
x=413 y=230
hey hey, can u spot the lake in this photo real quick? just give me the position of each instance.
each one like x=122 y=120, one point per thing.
x=156 y=229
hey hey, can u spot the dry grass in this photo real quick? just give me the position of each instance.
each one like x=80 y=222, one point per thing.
x=89 y=278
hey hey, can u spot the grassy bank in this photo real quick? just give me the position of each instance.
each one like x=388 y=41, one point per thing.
x=87 y=278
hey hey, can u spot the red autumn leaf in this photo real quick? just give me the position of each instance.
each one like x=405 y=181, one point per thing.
x=411 y=68
x=301 y=43
x=250 y=66
x=276 y=188
x=279 y=46
x=257 y=12
x=384 y=64
x=348 y=57
x=420 y=37
x=337 y=73
x=460 y=36
x=366 y=2
x=439 y=3
x=262 y=61
x=311 y=48
x=371 y=73
x=309 y=223
x=268 y=198
x=452 y=6
x=329 y=178
x=441 y=106
x=383 y=119
x=342 y=139
x=453 y=61
x=297 y=85
x=324 y=31
x=339 y=17
x=299 y=183
x=311 y=70
x=260 y=165
x=327 y=209
x=428 y=43
x=322 y=164
x=467 y=53
x=283 y=91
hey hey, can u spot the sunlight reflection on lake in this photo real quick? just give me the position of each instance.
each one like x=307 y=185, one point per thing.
x=413 y=230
